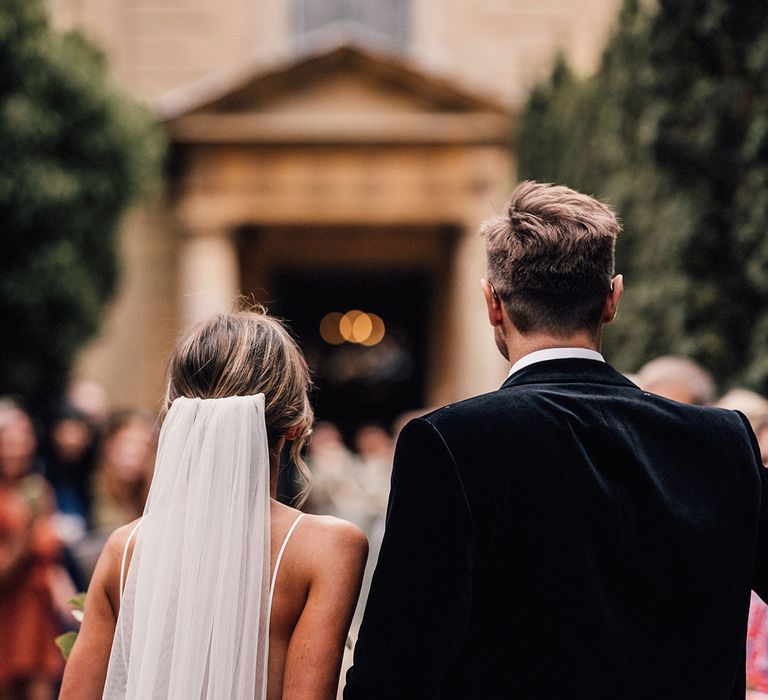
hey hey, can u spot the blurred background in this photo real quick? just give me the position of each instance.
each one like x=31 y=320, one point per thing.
x=324 y=157
x=333 y=159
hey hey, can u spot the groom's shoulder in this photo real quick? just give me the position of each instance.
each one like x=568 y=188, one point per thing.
x=518 y=407
x=474 y=410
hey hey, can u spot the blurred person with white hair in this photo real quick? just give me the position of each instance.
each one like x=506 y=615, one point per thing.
x=755 y=408
x=679 y=379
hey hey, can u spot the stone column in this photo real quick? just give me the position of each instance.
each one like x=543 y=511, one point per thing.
x=471 y=363
x=209 y=276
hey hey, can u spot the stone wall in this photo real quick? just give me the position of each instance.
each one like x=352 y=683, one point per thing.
x=501 y=46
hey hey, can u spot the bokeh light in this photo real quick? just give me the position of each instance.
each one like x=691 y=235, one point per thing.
x=378 y=329
x=356 y=327
x=361 y=328
x=347 y=325
x=329 y=328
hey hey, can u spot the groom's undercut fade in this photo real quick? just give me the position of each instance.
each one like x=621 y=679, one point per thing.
x=551 y=258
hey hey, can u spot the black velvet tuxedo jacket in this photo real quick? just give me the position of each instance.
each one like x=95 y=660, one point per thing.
x=567 y=536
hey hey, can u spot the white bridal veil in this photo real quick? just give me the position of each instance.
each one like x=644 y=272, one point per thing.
x=194 y=617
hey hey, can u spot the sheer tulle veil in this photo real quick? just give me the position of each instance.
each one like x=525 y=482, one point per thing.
x=194 y=616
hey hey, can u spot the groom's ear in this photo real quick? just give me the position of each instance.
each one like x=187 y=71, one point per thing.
x=493 y=303
x=613 y=299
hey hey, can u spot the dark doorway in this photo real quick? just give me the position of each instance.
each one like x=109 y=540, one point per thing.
x=357 y=383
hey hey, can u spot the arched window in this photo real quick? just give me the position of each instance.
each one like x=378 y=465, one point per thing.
x=383 y=22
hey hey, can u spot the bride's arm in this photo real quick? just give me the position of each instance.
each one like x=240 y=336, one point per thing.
x=86 y=668
x=315 y=652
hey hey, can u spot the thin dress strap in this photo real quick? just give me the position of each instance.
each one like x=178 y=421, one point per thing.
x=280 y=558
x=125 y=556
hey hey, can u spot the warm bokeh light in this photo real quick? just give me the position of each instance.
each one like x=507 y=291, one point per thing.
x=346 y=325
x=361 y=328
x=329 y=328
x=357 y=327
x=377 y=332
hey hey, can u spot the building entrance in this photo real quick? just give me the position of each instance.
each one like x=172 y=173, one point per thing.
x=362 y=303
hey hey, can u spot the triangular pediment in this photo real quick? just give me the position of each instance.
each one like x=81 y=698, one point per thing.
x=344 y=94
x=346 y=91
x=345 y=79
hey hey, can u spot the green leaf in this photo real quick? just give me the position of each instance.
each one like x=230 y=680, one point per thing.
x=78 y=602
x=65 y=642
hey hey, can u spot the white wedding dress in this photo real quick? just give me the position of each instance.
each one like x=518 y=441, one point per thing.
x=194 y=615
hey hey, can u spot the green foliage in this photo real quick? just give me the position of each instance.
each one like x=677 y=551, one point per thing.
x=65 y=642
x=74 y=153
x=673 y=131
x=547 y=146
x=78 y=602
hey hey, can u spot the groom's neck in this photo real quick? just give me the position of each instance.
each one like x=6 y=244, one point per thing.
x=519 y=345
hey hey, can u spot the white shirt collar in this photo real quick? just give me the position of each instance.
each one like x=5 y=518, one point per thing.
x=555 y=354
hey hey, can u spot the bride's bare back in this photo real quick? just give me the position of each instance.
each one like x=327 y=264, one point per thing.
x=314 y=598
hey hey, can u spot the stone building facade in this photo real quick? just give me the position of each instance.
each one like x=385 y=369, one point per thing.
x=321 y=148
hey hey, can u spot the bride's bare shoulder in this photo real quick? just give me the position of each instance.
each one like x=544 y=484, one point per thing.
x=117 y=540
x=116 y=543
x=334 y=532
x=107 y=571
x=321 y=539
x=334 y=551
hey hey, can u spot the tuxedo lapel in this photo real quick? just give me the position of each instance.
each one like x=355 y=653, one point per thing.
x=567 y=371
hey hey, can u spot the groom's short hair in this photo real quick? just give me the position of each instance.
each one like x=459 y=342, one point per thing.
x=551 y=258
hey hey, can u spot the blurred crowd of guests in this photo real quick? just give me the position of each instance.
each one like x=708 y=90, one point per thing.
x=350 y=483
x=64 y=487
x=67 y=484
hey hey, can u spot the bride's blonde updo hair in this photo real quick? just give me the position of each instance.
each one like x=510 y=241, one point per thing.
x=245 y=353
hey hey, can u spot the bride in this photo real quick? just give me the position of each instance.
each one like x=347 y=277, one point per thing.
x=220 y=592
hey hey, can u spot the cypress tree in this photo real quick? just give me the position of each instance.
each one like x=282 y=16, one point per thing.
x=672 y=131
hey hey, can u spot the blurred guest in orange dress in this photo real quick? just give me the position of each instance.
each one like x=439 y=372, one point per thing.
x=30 y=663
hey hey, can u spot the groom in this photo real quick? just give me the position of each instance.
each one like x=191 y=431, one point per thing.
x=569 y=535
